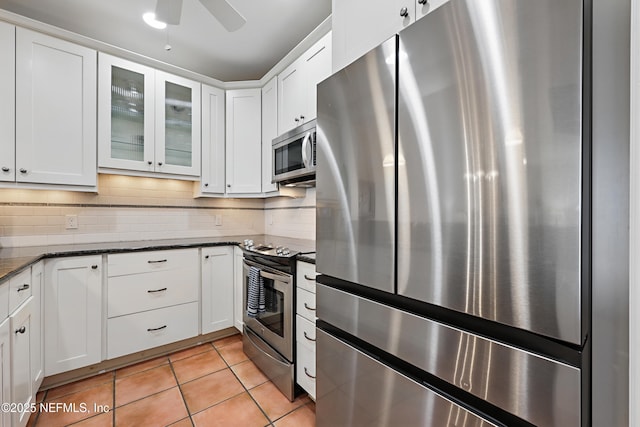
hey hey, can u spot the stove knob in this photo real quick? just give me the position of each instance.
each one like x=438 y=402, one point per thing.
x=279 y=250
x=285 y=251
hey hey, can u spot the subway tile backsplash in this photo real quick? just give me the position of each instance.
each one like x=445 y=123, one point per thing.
x=131 y=208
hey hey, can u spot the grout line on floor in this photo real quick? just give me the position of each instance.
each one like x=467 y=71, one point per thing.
x=180 y=390
x=245 y=388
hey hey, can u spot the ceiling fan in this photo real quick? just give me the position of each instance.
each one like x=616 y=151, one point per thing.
x=169 y=11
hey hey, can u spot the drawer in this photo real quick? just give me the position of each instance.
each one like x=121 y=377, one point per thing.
x=140 y=331
x=306 y=276
x=306 y=304
x=306 y=369
x=19 y=289
x=152 y=261
x=148 y=291
x=306 y=332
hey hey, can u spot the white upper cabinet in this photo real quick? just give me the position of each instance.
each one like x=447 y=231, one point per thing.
x=213 y=143
x=7 y=102
x=148 y=120
x=55 y=111
x=297 y=85
x=291 y=97
x=177 y=125
x=244 y=141
x=359 y=25
x=269 y=131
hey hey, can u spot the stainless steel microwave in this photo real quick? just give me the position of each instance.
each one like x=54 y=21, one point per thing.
x=294 y=156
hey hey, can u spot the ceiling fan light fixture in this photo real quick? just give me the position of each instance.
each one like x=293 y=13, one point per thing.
x=150 y=19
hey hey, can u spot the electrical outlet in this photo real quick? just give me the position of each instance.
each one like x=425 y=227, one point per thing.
x=218 y=220
x=71 y=221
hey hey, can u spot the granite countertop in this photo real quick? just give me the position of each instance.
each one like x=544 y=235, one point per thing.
x=13 y=260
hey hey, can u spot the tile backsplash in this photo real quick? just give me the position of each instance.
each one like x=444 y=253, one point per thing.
x=134 y=208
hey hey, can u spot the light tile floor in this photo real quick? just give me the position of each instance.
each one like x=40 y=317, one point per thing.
x=208 y=385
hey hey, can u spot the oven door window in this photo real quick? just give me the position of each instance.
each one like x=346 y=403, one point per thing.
x=273 y=316
x=289 y=157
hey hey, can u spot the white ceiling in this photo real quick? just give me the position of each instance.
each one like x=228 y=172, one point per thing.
x=199 y=43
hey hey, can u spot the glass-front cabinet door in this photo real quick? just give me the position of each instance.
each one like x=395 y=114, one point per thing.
x=148 y=120
x=177 y=147
x=126 y=132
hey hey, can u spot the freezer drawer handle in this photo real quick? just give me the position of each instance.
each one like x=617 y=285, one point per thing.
x=156 y=329
x=313 y=279
x=23 y=288
x=309 y=308
x=307 y=337
x=308 y=374
x=21 y=330
x=157 y=261
x=151 y=291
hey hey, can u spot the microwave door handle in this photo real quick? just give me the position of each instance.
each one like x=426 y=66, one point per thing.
x=305 y=147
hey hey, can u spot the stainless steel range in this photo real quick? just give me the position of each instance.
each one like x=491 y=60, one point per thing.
x=268 y=337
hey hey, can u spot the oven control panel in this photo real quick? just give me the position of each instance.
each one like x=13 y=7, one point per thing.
x=269 y=249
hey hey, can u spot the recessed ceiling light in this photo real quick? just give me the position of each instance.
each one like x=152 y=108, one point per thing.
x=150 y=19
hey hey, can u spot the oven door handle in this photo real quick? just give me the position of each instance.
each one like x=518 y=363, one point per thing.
x=275 y=277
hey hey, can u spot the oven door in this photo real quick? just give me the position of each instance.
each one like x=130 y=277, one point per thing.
x=274 y=326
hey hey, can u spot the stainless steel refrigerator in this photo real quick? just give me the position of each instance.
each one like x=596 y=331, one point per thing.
x=454 y=231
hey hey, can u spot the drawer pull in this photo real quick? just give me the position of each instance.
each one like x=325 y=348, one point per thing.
x=307 y=337
x=313 y=279
x=94 y=267
x=308 y=374
x=309 y=308
x=156 y=261
x=21 y=330
x=152 y=291
x=23 y=288
x=156 y=329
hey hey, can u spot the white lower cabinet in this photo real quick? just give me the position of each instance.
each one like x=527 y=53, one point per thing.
x=152 y=299
x=217 y=288
x=22 y=392
x=37 y=337
x=5 y=370
x=72 y=313
x=238 y=289
x=306 y=355
x=148 y=329
x=306 y=327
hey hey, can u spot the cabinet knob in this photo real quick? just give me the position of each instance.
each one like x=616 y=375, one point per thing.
x=302 y=118
x=94 y=267
x=159 y=163
x=206 y=257
x=404 y=12
x=23 y=170
x=228 y=185
x=5 y=169
x=21 y=330
x=296 y=119
x=206 y=184
x=149 y=162
x=423 y=1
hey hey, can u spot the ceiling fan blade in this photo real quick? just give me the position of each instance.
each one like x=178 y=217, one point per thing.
x=169 y=11
x=225 y=13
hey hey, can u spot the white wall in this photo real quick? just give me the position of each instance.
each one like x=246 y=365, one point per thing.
x=294 y=218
